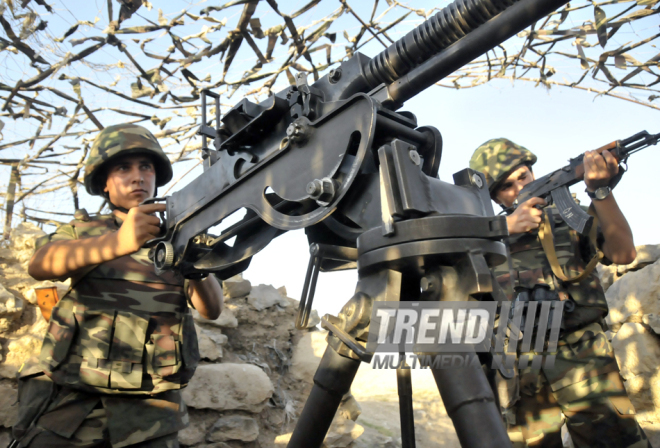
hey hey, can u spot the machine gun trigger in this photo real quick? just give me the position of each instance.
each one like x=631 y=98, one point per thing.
x=570 y=211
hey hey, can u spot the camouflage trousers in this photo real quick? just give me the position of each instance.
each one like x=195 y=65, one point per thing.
x=78 y=419
x=93 y=433
x=584 y=389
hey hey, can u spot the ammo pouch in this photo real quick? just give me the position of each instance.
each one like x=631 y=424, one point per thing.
x=540 y=294
x=112 y=351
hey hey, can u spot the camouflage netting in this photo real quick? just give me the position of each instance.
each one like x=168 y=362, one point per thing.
x=69 y=72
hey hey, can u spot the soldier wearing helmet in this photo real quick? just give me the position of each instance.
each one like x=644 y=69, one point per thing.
x=121 y=343
x=584 y=389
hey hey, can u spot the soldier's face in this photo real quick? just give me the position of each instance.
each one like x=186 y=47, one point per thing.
x=510 y=188
x=131 y=180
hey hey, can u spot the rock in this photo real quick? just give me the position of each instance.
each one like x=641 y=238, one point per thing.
x=646 y=255
x=5 y=438
x=208 y=348
x=314 y=319
x=307 y=355
x=8 y=406
x=200 y=422
x=226 y=319
x=653 y=321
x=23 y=239
x=283 y=440
x=224 y=387
x=265 y=296
x=19 y=351
x=234 y=427
x=636 y=349
x=236 y=287
x=11 y=308
x=644 y=392
x=342 y=433
x=349 y=408
x=607 y=275
x=636 y=293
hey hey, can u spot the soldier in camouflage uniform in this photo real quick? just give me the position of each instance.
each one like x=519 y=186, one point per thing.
x=584 y=388
x=121 y=343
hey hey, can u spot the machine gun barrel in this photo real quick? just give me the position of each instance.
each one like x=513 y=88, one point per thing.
x=453 y=37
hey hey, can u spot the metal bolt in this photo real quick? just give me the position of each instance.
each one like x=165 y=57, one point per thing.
x=322 y=190
x=477 y=180
x=334 y=76
x=314 y=188
x=160 y=256
x=297 y=132
x=414 y=156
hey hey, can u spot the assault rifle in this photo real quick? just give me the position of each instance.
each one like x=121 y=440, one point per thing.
x=337 y=159
x=554 y=186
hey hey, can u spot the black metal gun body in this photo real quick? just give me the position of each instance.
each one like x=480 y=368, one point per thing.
x=553 y=187
x=293 y=159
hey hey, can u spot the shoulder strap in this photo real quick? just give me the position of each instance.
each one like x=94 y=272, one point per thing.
x=548 y=244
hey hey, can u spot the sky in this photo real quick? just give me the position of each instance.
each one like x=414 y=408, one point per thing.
x=555 y=124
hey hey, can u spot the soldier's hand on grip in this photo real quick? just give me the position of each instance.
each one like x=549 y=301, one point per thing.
x=599 y=169
x=526 y=217
x=139 y=226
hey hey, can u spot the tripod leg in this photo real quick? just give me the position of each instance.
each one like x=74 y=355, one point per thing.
x=470 y=403
x=404 y=385
x=331 y=382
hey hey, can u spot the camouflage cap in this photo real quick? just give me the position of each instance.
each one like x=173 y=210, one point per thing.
x=497 y=158
x=123 y=139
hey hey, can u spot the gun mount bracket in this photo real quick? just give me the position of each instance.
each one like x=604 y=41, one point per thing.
x=332 y=324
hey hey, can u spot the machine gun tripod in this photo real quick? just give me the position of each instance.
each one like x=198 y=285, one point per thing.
x=337 y=159
x=428 y=259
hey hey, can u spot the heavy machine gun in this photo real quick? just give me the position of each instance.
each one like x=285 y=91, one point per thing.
x=337 y=159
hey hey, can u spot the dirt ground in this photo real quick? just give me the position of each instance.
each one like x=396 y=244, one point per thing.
x=376 y=391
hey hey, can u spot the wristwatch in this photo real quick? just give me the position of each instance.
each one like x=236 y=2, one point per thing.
x=600 y=193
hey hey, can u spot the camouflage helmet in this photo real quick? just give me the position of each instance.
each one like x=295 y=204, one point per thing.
x=124 y=139
x=497 y=158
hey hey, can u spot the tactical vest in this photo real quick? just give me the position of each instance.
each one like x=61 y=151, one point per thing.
x=121 y=328
x=530 y=271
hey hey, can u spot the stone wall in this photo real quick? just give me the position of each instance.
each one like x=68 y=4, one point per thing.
x=633 y=295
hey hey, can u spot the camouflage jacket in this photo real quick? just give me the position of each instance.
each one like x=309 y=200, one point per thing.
x=529 y=269
x=121 y=328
